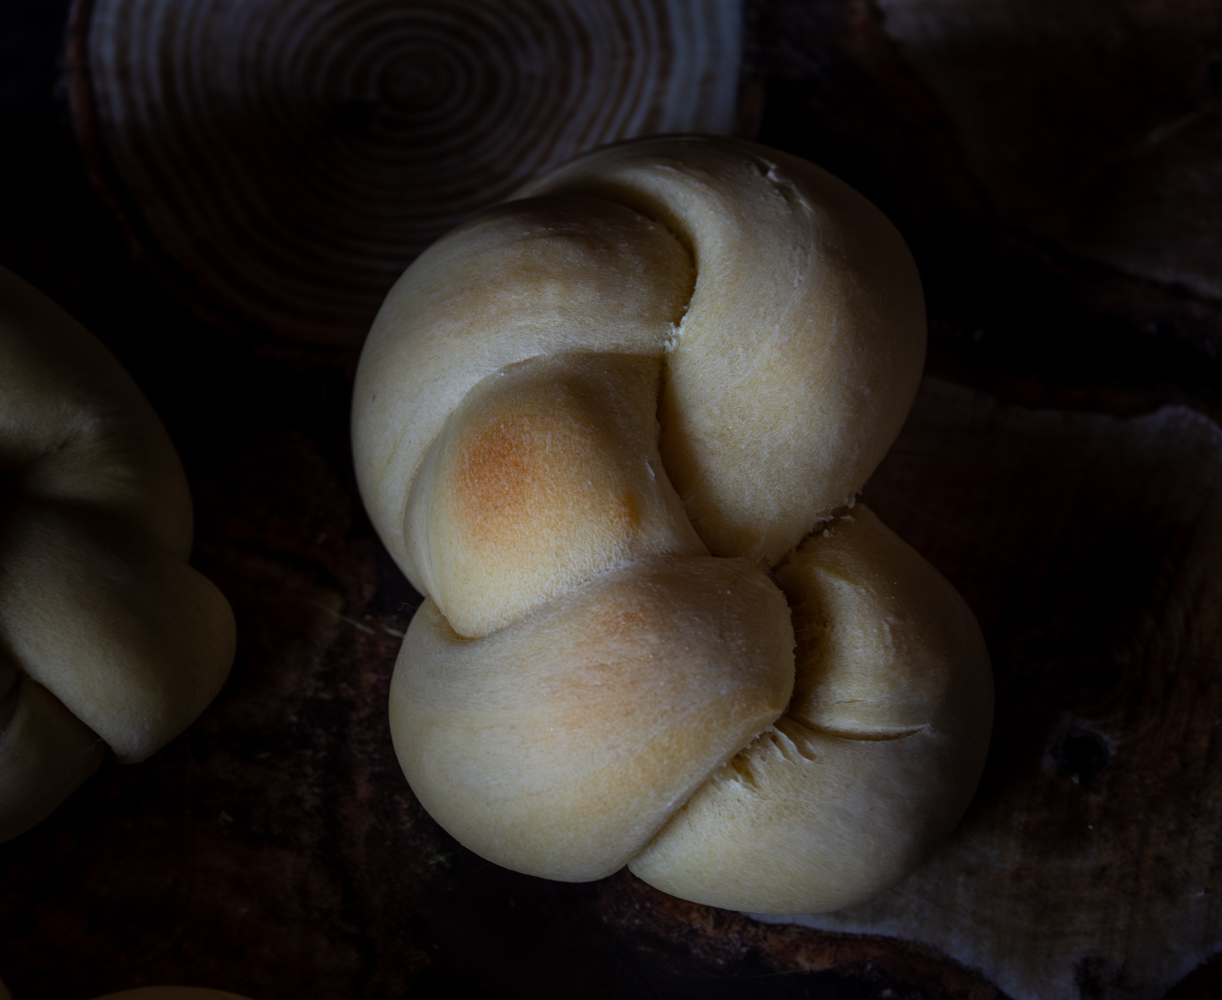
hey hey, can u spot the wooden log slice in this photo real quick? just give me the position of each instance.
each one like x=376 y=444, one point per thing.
x=284 y=160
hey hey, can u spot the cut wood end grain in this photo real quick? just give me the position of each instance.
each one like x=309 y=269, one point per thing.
x=280 y=162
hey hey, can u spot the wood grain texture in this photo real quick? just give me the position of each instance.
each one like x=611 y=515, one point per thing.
x=287 y=159
x=869 y=965
x=1087 y=865
x=1095 y=123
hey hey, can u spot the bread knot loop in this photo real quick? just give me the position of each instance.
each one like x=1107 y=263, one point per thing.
x=613 y=430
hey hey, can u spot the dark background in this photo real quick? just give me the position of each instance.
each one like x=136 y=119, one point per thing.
x=274 y=850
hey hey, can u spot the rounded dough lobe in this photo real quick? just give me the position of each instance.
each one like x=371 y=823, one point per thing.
x=559 y=745
x=74 y=427
x=798 y=358
x=876 y=756
x=131 y=639
x=546 y=474
x=531 y=278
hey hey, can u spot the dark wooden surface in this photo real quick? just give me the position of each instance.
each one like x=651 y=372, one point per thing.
x=275 y=850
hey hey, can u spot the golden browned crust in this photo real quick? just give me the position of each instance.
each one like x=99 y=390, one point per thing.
x=607 y=430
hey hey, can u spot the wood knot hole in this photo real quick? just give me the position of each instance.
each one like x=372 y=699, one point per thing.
x=1081 y=754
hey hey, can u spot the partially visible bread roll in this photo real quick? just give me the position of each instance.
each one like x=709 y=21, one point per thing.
x=107 y=636
x=172 y=993
x=613 y=430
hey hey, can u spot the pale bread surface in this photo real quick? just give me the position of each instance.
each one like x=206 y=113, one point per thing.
x=595 y=426
x=543 y=277
x=111 y=637
x=561 y=743
x=876 y=756
x=799 y=354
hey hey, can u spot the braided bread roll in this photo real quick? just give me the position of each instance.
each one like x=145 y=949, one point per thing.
x=611 y=429
x=107 y=636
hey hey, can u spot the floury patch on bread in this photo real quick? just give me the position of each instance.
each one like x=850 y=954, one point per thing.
x=613 y=431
